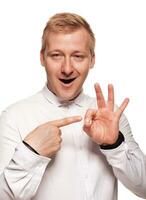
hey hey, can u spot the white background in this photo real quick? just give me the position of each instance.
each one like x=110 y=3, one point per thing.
x=120 y=30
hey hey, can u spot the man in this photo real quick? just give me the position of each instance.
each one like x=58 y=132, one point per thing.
x=61 y=143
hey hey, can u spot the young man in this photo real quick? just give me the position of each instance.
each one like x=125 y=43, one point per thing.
x=61 y=143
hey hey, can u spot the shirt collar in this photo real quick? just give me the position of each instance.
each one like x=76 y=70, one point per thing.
x=53 y=99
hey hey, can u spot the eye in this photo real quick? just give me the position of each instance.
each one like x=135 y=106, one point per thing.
x=56 y=56
x=79 y=57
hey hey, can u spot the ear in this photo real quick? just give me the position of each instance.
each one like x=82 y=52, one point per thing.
x=92 y=61
x=42 y=58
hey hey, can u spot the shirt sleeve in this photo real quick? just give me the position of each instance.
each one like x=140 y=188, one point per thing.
x=21 y=170
x=128 y=161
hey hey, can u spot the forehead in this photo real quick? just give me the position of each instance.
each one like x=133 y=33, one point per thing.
x=76 y=40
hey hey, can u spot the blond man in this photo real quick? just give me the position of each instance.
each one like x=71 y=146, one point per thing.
x=61 y=143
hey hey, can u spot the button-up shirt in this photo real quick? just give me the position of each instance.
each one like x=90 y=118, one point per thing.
x=80 y=170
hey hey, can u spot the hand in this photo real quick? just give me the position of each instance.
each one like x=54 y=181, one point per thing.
x=102 y=124
x=46 y=138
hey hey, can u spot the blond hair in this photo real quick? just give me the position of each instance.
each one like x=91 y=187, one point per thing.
x=66 y=23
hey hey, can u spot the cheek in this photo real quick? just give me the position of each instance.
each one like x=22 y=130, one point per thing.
x=83 y=69
x=51 y=68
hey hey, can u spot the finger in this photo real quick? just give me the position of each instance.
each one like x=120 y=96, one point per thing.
x=122 y=107
x=90 y=114
x=66 y=121
x=110 y=97
x=99 y=95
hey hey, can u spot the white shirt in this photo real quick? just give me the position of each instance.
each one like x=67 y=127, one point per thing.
x=79 y=171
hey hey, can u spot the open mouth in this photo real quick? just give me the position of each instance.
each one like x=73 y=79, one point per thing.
x=67 y=81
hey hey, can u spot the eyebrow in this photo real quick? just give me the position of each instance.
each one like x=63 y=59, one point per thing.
x=60 y=51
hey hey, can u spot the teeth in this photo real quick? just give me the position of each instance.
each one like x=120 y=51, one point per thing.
x=67 y=81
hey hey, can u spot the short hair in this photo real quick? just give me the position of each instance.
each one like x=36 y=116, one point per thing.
x=67 y=22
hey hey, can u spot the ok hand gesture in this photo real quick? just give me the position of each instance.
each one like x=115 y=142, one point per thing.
x=102 y=124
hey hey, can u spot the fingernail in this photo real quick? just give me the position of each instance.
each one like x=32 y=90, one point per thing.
x=79 y=118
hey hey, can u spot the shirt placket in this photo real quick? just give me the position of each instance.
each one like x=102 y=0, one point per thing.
x=82 y=155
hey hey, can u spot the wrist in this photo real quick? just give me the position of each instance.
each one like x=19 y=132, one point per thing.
x=30 y=147
x=116 y=144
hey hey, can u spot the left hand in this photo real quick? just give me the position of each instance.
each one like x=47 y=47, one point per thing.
x=102 y=124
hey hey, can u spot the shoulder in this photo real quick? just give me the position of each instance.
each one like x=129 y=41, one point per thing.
x=25 y=104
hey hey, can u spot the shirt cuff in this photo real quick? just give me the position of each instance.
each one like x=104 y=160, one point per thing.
x=30 y=147
x=118 y=155
x=27 y=159
x=116 y=144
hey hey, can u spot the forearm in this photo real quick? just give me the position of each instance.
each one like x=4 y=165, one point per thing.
x=22 y=177
x=129 y=166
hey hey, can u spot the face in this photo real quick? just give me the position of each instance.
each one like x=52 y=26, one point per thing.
x=67 y=60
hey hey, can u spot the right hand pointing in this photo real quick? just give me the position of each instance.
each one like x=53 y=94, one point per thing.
x=46 y=138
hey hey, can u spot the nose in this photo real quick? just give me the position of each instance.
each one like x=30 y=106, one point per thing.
x=67 y=68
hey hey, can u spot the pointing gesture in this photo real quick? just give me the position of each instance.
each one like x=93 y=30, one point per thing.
x=102 y=124
x=46 y=138
x=64 y=122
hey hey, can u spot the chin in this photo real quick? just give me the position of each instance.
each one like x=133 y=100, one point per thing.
x=67 y=97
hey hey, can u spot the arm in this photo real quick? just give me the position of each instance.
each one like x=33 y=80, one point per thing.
x=22 y=177
x=103 y=126
x=21 y=170
x=128 y=161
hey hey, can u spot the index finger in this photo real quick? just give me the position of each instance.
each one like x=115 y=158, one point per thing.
x=66 y=121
